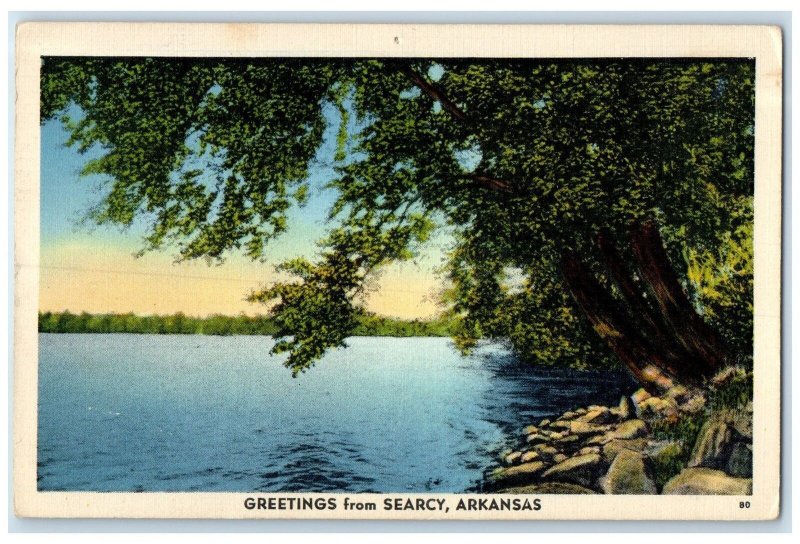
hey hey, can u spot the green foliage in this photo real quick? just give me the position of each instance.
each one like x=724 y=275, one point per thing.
x=522 y=159
x=222 y=325
x=684 y=432
x=722 y=281
x=732 y=393
x=668 y=462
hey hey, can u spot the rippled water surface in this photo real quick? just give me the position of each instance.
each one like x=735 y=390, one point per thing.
x=126 y=412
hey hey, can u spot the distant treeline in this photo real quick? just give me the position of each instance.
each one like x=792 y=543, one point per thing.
x=222 y=325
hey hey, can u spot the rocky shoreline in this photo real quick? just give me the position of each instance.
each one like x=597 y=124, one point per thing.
x=682 y=442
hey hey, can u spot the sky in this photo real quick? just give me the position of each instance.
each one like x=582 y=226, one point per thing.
x=85 y=267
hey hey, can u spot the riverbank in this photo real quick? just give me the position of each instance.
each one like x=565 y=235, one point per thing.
x=684 y=442
x=226 y=325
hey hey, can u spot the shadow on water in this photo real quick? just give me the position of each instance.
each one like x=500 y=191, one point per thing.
x=523 y=394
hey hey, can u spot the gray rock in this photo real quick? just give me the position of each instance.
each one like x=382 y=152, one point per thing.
x=713 y=446
x=657 y=408
x=536 y=438
x=513 y=457
x=560 y=424
x=596 y=417
x=707 y=481
x=611 y=449
x=545 y=452
x=639 y=396
x=633 y=428
x=529 y=456
x=741 y=420
x=584 y=428
x=530 y=429
x=693 y=405
x=589 y=449
x=727 y=375
x=549 y=488
x=663 y=452
x=582 y=470
x=570 y=440
x=740 y=462
x=678 y=393
x=524 y=473
x=629 y=474
x=625 y=408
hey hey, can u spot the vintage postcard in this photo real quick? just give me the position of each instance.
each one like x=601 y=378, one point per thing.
x=397 y=272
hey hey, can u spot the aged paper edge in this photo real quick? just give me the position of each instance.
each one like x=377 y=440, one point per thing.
x=763 y=43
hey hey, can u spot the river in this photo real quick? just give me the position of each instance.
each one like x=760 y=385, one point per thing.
x=129 y=412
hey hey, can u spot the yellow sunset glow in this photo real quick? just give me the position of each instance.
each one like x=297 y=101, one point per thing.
x=97 y=278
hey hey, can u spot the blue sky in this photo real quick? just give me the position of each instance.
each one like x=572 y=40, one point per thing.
x=86 y=267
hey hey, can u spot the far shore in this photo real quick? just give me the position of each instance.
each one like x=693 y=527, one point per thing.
x=222 y=325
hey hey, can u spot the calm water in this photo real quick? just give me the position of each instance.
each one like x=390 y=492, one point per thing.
x=129 y=412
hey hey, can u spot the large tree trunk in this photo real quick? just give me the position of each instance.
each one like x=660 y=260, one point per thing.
x=659 y=337
x=688 y=328
x=652 y=326
x=611 y=325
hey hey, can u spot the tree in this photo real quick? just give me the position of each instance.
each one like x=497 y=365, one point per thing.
x=581 y=192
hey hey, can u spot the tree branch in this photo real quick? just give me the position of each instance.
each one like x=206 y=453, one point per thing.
x=492 y=183
x=433 y=91
x=448 y=105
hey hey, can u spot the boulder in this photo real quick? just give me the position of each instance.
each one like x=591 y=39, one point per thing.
x=580 y=411
x=629 y=474
x=632 y=428
x=583 y=428
x=581 y=469
x=678 y=393
x=614 y=447
x=536 y=438
x=657 y=408
x=545 y=451
x=599 y=440
x=742 y=421
x=599 y=416
x=559 y=457
x=640 y=395
x=728 y=375
x=664 y=451
x=713 y=446
x=693 y=405
x=549 y=488
x=570 y=440
x=625 y=408
x=544 y=423
x=530 y=429
x=529 y=456
x=740 y=461
x=707 y=481
x=560 y=424
x=513 y=457
x=524 y=473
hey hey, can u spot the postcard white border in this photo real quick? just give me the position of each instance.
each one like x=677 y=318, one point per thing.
x=409 y=40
